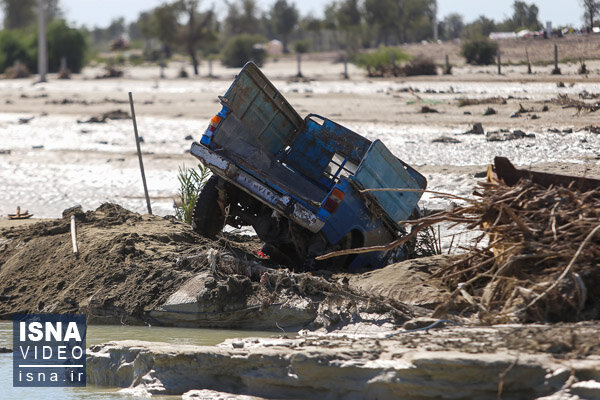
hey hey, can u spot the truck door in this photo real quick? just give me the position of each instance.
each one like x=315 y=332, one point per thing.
x=379 y=169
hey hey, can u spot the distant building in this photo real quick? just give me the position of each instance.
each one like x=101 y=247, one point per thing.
x=502 y=35
x=274 y=47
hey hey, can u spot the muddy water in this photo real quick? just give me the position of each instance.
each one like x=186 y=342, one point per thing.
x=104 y=333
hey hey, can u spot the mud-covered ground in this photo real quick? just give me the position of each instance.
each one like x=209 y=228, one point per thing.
x=129 y=265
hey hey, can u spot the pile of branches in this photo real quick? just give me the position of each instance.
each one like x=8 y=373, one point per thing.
x=541 y=262
x=566 y=102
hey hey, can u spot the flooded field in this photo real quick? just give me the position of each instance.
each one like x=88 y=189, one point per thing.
x=54 y=162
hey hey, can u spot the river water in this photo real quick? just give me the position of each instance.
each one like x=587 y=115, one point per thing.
x=103 y=333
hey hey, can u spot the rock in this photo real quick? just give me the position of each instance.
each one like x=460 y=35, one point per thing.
x=453 y=362
x=467 y=113
x=504 y=136
x=206 y=394
x=490 y=111
x=445 y=139
x=189 y=137
x=426 y=110
x=586 y=389
x=476 y=130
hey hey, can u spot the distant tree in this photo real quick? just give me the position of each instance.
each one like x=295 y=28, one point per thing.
x=19 y=13
x=524 y=16
x=347 y=18
x=116 y=29
x=381 y=15
x=197 y=29
x=242 y=17
x=482 y=26
x=417 y=20
x=453 y=26
x=17 y=46
x=53 y=9
x=67 y=42
x=146 y=25
x=591 y=9
x=312 y=29
x=166 y=25
x=284 y=18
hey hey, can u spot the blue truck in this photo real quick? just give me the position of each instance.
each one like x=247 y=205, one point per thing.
x=299 y=182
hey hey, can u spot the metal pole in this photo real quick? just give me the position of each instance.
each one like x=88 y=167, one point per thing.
x=346 y=66
x=139 y=152
x=499 y=63
x=42 y=51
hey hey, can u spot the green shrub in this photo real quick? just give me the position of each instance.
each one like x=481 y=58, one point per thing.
x=420 y=66
x=67 y=42
x=479 y=51
x=191 y=182
x=301 y=46
x=16 y=45
x=382 y=62
x=243 y=48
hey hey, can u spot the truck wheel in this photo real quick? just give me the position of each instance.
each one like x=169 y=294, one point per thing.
x=208 y=218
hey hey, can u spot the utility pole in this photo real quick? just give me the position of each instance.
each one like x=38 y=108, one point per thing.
x=42 y=52
x=435 y=22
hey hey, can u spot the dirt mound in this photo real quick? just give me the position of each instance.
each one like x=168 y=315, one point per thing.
x=136 y=269
x=127 y=263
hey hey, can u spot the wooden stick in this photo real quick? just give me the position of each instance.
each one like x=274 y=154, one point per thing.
x=139 y=152
x=74 y=235
x=442 y=194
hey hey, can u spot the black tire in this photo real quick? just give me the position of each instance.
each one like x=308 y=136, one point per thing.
x=208 y=218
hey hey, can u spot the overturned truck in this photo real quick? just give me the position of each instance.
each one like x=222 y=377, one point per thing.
x=302 y=184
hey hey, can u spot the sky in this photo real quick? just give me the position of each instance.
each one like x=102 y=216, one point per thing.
x=100 y=12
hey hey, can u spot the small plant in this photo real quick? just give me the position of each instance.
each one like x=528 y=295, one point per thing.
x=191 y=182
x=426 y=243
x=479 y=51
x=382 y=62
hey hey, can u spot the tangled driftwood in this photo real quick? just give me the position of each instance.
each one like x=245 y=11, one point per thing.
x=537 y=259
x=542 y=261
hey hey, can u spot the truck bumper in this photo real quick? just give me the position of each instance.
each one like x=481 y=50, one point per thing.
x=283 y=203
